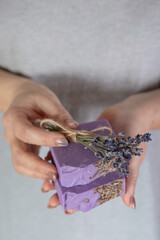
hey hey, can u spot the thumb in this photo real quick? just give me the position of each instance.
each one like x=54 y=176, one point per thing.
x=131 y=182
x=53 y=108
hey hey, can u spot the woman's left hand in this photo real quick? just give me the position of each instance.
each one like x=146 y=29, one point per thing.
x=129 y=116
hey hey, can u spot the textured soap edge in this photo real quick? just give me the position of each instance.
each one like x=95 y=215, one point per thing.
x=87 y=199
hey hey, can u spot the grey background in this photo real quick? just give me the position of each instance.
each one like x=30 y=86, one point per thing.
x=92 y=54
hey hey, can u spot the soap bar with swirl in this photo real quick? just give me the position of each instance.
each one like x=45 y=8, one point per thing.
x=77 y=165
x=85 y=197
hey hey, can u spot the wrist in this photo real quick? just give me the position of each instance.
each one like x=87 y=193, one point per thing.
x=142 y=108
x=10 y=84
x=141 y=111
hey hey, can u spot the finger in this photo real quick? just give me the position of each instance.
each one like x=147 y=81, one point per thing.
x=47 y=187
x=26 y=132
x=131 y=181
x=65 y=118
x=53 y=201
x=69 y=211
x=59 y=114
x=31 y=165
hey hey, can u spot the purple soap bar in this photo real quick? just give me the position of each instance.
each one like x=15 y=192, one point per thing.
x=85 y=197
x=75 y=164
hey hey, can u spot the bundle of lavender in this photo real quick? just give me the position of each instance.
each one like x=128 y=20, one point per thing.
x=93 y=167
x=114 y=149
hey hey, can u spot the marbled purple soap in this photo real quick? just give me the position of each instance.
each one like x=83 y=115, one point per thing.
x=85 y=197
x=74 y=163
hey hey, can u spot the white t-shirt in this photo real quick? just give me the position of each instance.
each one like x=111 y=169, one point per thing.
x=91 y=54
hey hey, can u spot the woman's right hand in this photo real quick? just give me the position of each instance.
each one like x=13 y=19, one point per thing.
x=34 y=101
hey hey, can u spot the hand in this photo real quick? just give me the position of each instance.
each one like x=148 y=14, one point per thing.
x=32 y=101
x=130 y=117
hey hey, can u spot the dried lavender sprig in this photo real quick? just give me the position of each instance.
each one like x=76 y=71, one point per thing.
x=109 y=148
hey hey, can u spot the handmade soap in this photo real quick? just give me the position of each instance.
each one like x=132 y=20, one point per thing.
x=77 y=165
x=85 y=197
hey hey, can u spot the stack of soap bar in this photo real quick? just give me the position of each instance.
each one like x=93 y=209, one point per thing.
x=85 y=197
x=79 y=187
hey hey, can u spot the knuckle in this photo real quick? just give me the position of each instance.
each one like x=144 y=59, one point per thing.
x=45 y=140
x=5 y=119
x=25 y=135
x=133 y=182
x=5 y=134
x=16 y=159
x=62 y=114
x=18 y=168
x=17 y=165
x=48 y=139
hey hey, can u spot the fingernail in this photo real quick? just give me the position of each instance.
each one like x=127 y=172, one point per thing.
x=71 y=122
x=49 y=206
x=51 y=177
x=62 y=142
x=68 y=212
x=44 y=191
x=132 y=202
